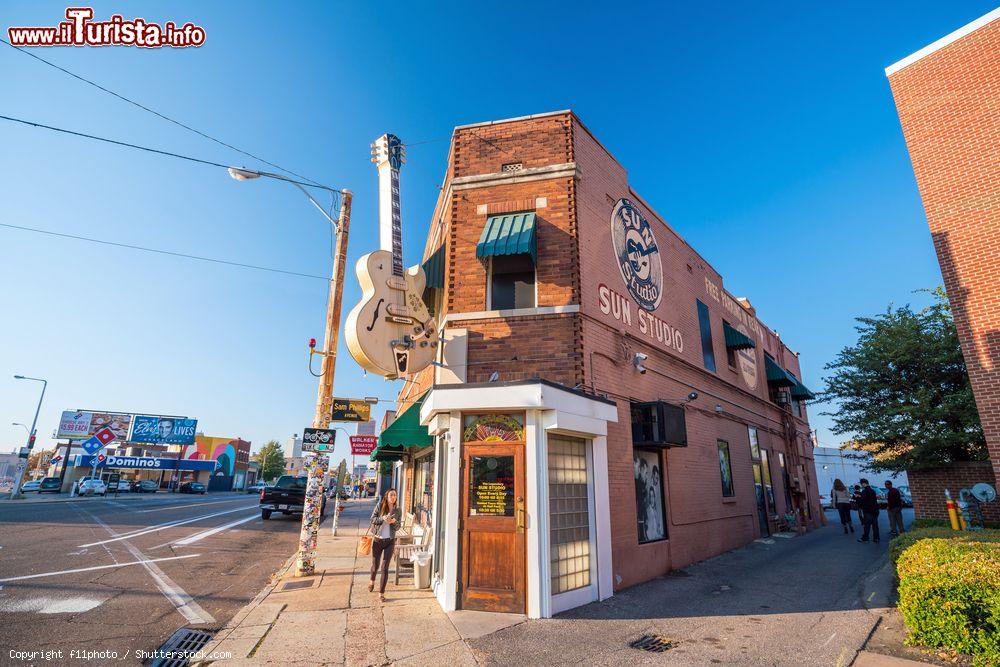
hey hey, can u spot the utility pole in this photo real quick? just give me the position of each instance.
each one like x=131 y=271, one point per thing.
x=19 y=477
x=306 y=562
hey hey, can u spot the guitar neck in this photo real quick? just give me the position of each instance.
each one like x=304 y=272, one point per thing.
x=390 y=220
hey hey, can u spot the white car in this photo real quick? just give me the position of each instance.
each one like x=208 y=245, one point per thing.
x=92 y=486
x=33 y=485
x=256 y=487
x=124 y=485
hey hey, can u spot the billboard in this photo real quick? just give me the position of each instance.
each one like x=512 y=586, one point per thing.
x=76 y=424
x=163 y=430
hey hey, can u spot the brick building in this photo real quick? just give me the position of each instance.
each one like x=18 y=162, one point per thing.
x=948 y=98
x=604 y=410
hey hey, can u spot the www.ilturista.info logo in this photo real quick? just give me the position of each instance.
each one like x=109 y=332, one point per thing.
x=81 y=30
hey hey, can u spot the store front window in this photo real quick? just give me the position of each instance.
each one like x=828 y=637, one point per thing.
x=422 y=493
x=651 y=516
x=569 y=514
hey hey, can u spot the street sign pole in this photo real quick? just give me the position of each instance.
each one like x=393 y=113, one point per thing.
x=16 y=491
x=313 y=503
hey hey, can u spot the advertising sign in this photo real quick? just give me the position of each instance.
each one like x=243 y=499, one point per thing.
x=76 y=424
x=351 y=410
x=318 y=439
x=143 y=462
x=163 y=430
x=363 y=444
x=91 y=445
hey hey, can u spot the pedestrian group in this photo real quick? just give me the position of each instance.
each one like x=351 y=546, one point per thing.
x=864 y=500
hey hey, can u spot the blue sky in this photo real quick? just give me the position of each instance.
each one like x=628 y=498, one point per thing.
x=764 y=132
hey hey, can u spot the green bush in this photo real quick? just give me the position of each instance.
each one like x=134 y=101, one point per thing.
x=949 y=593
x=930 y=523
x=903 y=542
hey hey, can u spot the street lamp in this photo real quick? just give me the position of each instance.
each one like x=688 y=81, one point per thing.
x=306 y=562
x=16 y=491
x=24 y=426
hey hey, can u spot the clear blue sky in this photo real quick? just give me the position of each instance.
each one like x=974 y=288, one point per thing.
x=764 y=132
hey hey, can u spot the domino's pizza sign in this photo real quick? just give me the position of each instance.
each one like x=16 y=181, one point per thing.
x=637 y=254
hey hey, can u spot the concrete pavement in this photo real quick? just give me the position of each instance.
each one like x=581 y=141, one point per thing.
x=807 y=600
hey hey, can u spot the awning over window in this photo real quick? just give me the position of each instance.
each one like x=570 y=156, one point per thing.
x=777 y=375
x=510 y=234
x=402 y=434
x=434 y=269
x=736 y=340
x=801 y=393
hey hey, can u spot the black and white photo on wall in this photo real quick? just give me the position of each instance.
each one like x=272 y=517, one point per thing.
x=650 y=514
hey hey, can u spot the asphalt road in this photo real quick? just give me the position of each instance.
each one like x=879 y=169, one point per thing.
x=123 y=575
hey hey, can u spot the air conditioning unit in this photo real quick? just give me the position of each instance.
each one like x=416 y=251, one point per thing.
x=658 y=424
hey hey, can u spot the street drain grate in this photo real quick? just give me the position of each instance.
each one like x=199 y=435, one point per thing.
x=293 y=585
x=653 y=643
x=180 y=648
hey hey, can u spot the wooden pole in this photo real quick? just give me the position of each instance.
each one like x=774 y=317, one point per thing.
x=306 y=563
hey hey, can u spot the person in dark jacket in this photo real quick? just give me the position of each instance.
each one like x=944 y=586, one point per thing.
x=385 y=521
x=894 y=508
x=868 y=505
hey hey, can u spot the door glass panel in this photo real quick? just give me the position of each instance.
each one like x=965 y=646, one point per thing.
x=768 y=487
x=569 y=514
x=491 y=486
x=493 y=428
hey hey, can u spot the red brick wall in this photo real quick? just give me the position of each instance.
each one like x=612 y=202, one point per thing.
x=927 y=488
x=947 y=104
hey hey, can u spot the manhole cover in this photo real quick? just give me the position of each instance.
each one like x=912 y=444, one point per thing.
x=653 y=643
x=292 y=585
x=180 y=648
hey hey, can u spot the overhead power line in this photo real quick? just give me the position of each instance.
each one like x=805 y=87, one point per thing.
x=161 y=251
x=149 y=150
x=158 y=114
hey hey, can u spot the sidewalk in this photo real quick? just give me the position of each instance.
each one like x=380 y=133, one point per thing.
x=332 y=619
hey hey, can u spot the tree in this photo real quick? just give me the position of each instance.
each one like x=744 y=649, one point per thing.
x=902 y=391
x=39 y=460
x=272 y=461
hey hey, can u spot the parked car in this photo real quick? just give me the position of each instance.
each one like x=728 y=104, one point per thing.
x=92 y=486
x=256 y=487
x=904 y=491
x=145 y=486
x=32 y=485
x=50 y=485
x=124 y=485
x=880 y=492
x=193 y=487
x=286 y=496
x=824 y=500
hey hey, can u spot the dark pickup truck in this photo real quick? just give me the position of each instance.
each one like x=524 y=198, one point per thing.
x=286 y=496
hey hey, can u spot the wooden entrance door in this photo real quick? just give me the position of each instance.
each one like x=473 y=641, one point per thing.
x=491 y=567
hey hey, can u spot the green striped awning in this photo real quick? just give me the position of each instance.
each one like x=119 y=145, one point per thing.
x=801 y=393
x=434 y=269
x=736 y=340
x=777 y=375
x=509 y=234
x=402 y=434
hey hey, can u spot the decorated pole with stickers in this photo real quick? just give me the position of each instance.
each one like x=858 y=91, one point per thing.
x=313 y=504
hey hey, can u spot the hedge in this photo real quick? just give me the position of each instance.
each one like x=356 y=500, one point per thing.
x=949 y=590
x=900 y=544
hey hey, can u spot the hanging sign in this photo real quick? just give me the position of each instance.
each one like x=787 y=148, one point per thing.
x=318 y=439
x=351 y=410
x=363 y=445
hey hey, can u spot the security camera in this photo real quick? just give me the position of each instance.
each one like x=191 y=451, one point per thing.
x=693 y=395
x=637 y=360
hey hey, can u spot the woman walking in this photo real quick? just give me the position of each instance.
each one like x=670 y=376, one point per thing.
x=385 y=522
x=841 y=499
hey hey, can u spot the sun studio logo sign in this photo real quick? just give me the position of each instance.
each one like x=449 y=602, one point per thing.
x=637 y=253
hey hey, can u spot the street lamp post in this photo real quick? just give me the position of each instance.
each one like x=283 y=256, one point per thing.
x=21 y=468
x=313 y=501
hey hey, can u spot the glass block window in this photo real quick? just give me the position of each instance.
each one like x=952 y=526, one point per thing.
x=569 y=514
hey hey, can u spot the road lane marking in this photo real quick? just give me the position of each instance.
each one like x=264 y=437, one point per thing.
x=212 y=531
x=211 y=502
x=158 y=527
x=95 y=567
x=177 y=596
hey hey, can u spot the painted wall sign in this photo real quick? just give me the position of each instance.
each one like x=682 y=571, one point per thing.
x=649 y=325
x=637 y=254
x=747 y=360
